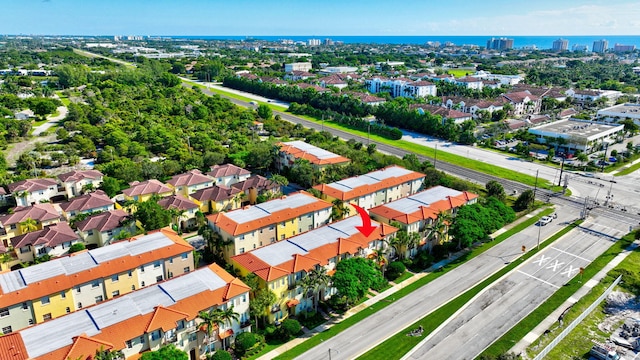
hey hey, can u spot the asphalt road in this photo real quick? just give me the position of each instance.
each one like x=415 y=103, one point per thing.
x=504 y=304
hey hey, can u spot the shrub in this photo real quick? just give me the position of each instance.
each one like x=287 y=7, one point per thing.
x=289 y=328
x=221 y=354
x=76 y=247
x=244 y=341
x=422 y=261
x=394 y=270
x=440 y=252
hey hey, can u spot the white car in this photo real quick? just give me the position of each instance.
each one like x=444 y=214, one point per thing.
x=545 y=220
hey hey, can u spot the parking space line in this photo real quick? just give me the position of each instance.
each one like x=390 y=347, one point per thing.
x=537 y=278
x=568 y=253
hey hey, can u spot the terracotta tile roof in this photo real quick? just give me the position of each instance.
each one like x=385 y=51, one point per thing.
x=422 y=83
x=468 y=79
x=56 y=283
x=310 y=86
x=567 y=112
x=152 y=186
x=441 y=110
x=423 y=205
x=165 y=319
x=177 y=202
x=86 y=202
x=104 y=221
x=85 y=347
x=367 y=98
x=77 y=175
x=227 y=170
x=12 y=347
x=32 y=185
x=258 y=182
x=215 y=193
x=51 y=236
x=190 y=178
x=518 y=97
x=39 y=212
x=314 y=154
x=370 y=183
x=267 y=213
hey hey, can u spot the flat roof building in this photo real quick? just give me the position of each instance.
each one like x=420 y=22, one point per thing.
x=620 y=112
x=584 y=135
x=318 y=157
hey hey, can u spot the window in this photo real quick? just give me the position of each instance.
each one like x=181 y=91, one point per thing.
x=193 y=336
x=271 y=227
x=110 y=232
x=13 y=226
x=67 y=310
x=180 y=325
x=156 y=264
x=282 y=237
x=142 y=268
x=254 y=246
x=115 y=293
x=155 y=335
x=133 y=287
x=63 y=295
x=158 y=278
x=24 y=250
x=90 y=233
x=46 y=317
x=6 y=330
x=4 y=312
x=171 y=261
x=95 y=284
x=78 y=290
x=241 y=237
x=45 y=300
x=244 y=298
x=142 y=284
x=142 y=339
x=99 y=298
x=25 y=306
x=273 y=240
x=184 y=256
x=128 y=343
x=186 y=269
x=130 y=273
x=241 y=251
x=310 y=227
x=114 y=278
x=42 y=250
x=79 y=305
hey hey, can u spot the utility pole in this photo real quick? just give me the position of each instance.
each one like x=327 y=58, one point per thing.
x=561 y=170
x=368 y=133
x=435 y=156
x=535 y=185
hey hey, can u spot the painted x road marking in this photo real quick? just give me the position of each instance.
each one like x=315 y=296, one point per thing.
x=541 y=260
x=555 y=266
x=568 y=271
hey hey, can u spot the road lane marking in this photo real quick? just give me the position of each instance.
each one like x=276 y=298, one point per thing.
x=568 y=271
x=537 y=278
x=568 y=253
x=541 y=260
x=555 y=265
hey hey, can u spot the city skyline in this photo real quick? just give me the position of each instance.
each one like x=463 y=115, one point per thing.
x=332 y=17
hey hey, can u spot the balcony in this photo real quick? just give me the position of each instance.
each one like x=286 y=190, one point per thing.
x=170 y=339
x=292 y=286
x=245 y=323
x=275 y=309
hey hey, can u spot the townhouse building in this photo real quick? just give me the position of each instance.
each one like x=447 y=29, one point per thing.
x=86 y=204
x=104 y=228
x=53 y=240
x=40 y=214
x=49 y=290
x=255 y=186
x=416 y=213
x=33 y=191
x=189 y=182
x=458 y=117
x=258 y=225
x=282 y=266
x=143 y=191
x=186 y=210
x=77 y=182
x=228 y=174
x=319 y=158
x=473 y=106
x=372 y=189
x=143 y=320
x=217 y=198
x=523 y=102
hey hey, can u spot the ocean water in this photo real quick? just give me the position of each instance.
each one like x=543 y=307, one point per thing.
x=541 y=42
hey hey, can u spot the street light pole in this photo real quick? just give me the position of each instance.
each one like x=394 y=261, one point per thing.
x=561 y=170
x=368 y=133
x=539 y=228
x=435 y=156
x=535 y=186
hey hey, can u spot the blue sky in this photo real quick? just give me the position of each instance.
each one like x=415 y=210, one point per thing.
x=327 y=17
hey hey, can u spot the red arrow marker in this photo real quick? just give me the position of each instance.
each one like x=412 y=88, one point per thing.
x=366 y=229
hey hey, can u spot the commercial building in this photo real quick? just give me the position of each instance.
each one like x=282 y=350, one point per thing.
x=258 y=225
x=318 y=157
x=49 y=290
x=600 y=46
x=620 y=112
x=623 y=48
x=416 y=213
x=560 y=45
x=584 y=135
x=282 y=266
x=141 y=321
x=372 y=189
x=298 y=66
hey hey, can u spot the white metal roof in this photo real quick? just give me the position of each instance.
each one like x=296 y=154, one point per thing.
x=265 y=209
x=313 y=150
x=412 y=203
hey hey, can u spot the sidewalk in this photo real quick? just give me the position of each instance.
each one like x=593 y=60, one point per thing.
x=375 y=299
x=533 y=335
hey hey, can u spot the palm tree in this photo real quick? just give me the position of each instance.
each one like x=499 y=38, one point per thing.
x=210 y=319
x=339 y=210
x=176 y=214
x=87 y=188
x=226 y=317
x=315 y=280
x=438 y=229
x=28 y=226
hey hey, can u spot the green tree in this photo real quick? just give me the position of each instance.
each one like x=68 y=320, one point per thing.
x=355 y=276
x=403 y=242
x=262 y=301
x=222 y=354
x=103 y=354
x=315 y=281
x=76 y=247
x=152 y=216
x=28 y=225
x=264 y=112
x=227 y=316
x=169 y=352
x=496 y=190
x=524 y=201
x=111 y=186
x=71 y=75
x=244 y=342
x=43 y=107
x=212 y=320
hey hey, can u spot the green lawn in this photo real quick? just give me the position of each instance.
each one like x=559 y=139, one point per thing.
x=629 y=170
x=399 y=344
x=403 y=277
x=341 y=326
x=527 y=324
x=460 y=72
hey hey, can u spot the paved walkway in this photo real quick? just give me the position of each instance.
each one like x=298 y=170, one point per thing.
x=383 y=295
x=551 y=320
